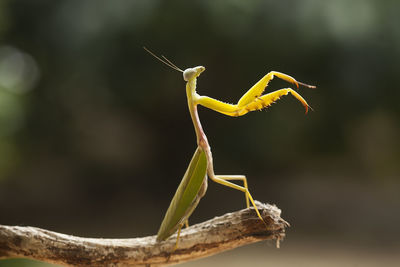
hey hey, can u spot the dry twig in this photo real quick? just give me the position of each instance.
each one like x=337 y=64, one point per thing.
x=213 y=236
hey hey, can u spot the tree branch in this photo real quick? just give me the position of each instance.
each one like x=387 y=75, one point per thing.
x=204 y=239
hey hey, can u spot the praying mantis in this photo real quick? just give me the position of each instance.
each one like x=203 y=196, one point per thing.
x=193 y=185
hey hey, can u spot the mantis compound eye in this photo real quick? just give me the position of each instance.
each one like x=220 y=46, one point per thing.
x=191 y=73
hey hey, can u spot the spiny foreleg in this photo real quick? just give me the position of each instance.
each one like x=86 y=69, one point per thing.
x=265 y=101
x=257 y=89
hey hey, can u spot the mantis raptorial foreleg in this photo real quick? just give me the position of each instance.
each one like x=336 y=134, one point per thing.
x=260 y=86
x=253 y=98
x=257 y=103
x=268 y=99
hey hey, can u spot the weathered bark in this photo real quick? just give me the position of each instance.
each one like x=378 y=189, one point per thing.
x=204 y=239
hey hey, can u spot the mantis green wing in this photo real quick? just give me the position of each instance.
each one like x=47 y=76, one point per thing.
x=187 y=196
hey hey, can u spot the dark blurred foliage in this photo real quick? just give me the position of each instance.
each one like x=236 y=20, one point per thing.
x=95 y=134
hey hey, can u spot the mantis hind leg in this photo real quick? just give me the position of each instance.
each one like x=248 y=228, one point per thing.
x=177 y=237
x=186 y=223
x=222 y=180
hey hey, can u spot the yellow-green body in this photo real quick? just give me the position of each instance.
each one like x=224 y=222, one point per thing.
x=192 y=187
x=194 y=182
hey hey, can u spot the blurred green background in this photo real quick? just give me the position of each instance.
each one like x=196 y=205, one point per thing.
x=95 y=134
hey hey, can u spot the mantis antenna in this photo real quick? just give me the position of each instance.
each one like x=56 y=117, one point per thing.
x=164 y=60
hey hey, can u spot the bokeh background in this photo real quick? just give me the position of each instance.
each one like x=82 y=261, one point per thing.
x=95 y=134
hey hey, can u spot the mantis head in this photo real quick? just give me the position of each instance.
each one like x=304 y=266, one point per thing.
x=192 y=73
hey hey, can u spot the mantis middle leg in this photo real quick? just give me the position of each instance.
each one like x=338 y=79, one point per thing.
x=223 y=180
x=237 y=178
